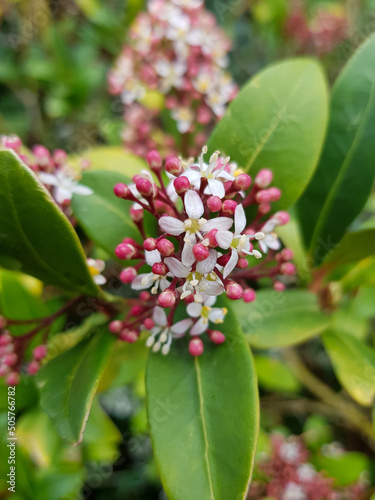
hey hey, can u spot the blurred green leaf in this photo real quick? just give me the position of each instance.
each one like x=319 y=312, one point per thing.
x=273 y=375
x=113 y=159
x=352 y=248
x=317 y=432
x=346 y=468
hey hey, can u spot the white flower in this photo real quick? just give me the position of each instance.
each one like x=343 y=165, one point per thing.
x=171 y=73
x=237 y=242
x=189 y=4
x=202 y=280
x=96 y=267
x=143 y=281
x=194 y=226
x=179 y=27
x=184 y=118
x=164 y=332
x=290 y=451
x=306 y=472
x=132 y=91
x=206 y=313
x=204 y=81
x=270 y=241
x=293 y=491
x=211 y=173
x=64 y=186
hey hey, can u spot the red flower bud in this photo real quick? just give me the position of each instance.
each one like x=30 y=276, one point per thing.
x=154 y=160
x=196 y=347
x=160 y=268
x=200 y=252
x=181 y=184
x=165 y=247
x=234 y=291
x=214 y=204
x=174 y=166
x=167 y=298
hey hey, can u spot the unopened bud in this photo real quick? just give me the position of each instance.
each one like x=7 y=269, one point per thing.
x=128 y=275
x=214 y=204
x=278 y=286
x=200 y=252
x=40 y=352
x=122 y=191
x=167 y=299
x=181 y=184
x=196 y=347
x=264 y=178
x=165 y=247
x=150 y=244
x=125 y=251
x=242 y=182
x=216 y=336
x=248 y=295
x=229 y=207
x=174 y=166
x=159 y=268
x=144 y=187
x=115 y=326
x=234 y=291
x=154 y=160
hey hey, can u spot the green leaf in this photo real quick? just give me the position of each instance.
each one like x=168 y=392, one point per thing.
x=363 y=274
x=277 y=121
x=352 y=248
x=203 y=417
x=280 y=319
x=104 y=217
x=354 y=365
x=344 y=178
x=69 y=383
x=345 y=468
x=35 y=236
x=273 y=375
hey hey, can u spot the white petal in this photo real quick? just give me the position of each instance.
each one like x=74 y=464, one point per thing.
x=221 y=223
x=263 y=247
x=210 y=301
x=207 y=265
x=49 y=179
x=193 y=205
x=82 y=190
x=62 y=194
x=164 y=283
x=269 y=226
x=99 y=279
x=187 y=255
x=214 y=288
x=216 y=188
x=192 y=175
x=99 y=264
x=194 y=310
x=137 y=282
x=231 y=264
x=216 y=314
x=152 y=257
x=274 y=244
x=239 y=219
x=224 y=239
x=181 y=326
x=171 y=225
x=159 y=316
x=226 y=175
x=200 y=326
x=176 y=267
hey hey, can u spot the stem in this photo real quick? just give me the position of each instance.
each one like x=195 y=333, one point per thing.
x=346 y=409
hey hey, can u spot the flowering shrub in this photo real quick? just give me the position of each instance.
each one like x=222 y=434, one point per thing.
x=175 y=49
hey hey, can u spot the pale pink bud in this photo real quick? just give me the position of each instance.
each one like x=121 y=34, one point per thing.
x=242 y=263
x=204 y=115
x=159 y=268
x=165 y=247
x=150 y=244
x=13 y=378
x=122 y=191
x=234 y=291
x=6 y=349
x=174 y=166
x=144 y=187
x=145 y=296
x=13 y=142
x=196 y=347
x=115 y=326
x=287 y=254
x=149 y=324
x=167 y=299
x=264 y=178
x=229 y=207
x=128 y=275
x=275 y=193
x=278 y=286
x=154 y=160
x=5 y=338
x=217 y=337
x=282 y=218
x=242 y=182
x=200 y=252
x=10 y=359
x=33 y=367
x=4 y=369
x=42 y=155
x=264 y=208
x=136 y=214
x=181 y=184
x=40 y=352
x=263 y=196
x=214 y=204
x=59 y=156
x=124 y=251
x=248 y=295
x=129 y=336
x=288 y=268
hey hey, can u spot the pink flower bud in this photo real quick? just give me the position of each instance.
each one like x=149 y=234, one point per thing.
x=275 y=193
x=242 y=263
x=150 y=244
x=6 y=349
x=196 y=347
x=167 y=298
x=165 y=247
x=263 y=196
x=264 y=178
x=174 y=166
x=160 y=268
x=154 y=160
x=282 y=218
x=33 y=367
x=229 y=207
x=115 y=326
x=223 y=259
x=204 y=115
x=217 y=337
x=214 y=204
x=242 y=182
x=59 y=156
x=42 y=155
x=125 y=251
x=136 y=214
x=234 y=291
x=286 y=254
x=145 y=296
x=13 y=142
x=10 y=359
x=264 y=208
x=13 y=378
x=189 y=299
x=278 y=286
x=211 y=237
x=136 y=310
x=248 y=295
x=200 y=252
x=4 y=369
x=128 y=275
x=148 y=324
x=122 y=191
x=129 y=336
x=181 y=184
x=288 y=268
x=5 y=338
x=144 y=187
x=40 y=352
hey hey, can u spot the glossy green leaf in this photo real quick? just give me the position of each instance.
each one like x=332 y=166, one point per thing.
x=344 y=178
x=105 y=218
x=354 y=365
x=273 y=375
x=203 y=417
x=69 y=383
x=362 y=274
x=352 y=248
x=35 y=236
x=280 y=319
x=277 y=121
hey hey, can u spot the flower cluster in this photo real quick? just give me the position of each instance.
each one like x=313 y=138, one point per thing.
x=177 y=54
x=204 y=246
x=287 y=474
x=53 y=170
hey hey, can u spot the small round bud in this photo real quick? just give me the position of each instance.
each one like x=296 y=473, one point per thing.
x=165 y=247
x=130 y=241
x=115 y=326
x=128 y=275
x=181 y=184
x=288 y=268
x=13 y=378
x=154 y=160
x=136 y=310
x=4 y=369
x=159 y=268
x=264 y=208
x=229 y=207
x=136 y=214
x=125 y=251
x=242 y=263
x=144 y=187
x=223 y=259
x=145 y=296
x=211 y=237
x=174 y=166
x=248 y=295
x=214 y=204
x=149 y=323
x=13 y=142
x=242 y=182
x=130 y=336
x=217 y=337
x=196 y=347
x=6 y=349
x=42 y=155
x=10 y=359
x=263 y=196
x=200 y=252
x=282 y=218
x=40 y=352
x=264 y=178
x=275 y=193
x=59 y=156
x=167 y=299
x=5 y=338
x=234 y=291
x=150 y=244
x=122 y=191
x=286 y=254
x=33 y=367
x=278 y=286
